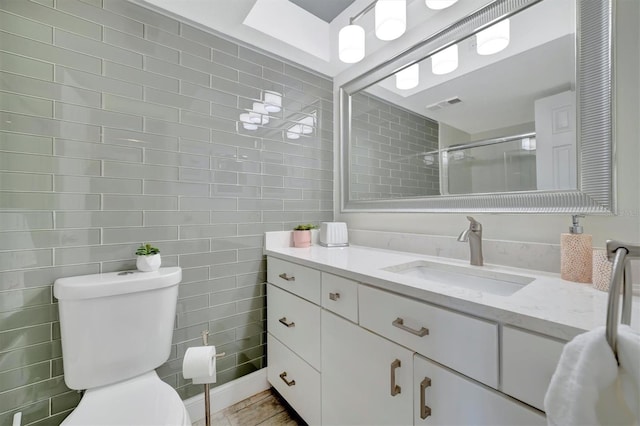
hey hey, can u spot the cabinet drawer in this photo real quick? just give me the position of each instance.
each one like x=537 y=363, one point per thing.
x=294 y=379
x=340 y=295
x=300 y=280
x=528 y=362
x=468 y=345
x=450 y=399
x=295 y=322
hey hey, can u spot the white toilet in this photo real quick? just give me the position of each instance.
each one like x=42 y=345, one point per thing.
x=116 y=329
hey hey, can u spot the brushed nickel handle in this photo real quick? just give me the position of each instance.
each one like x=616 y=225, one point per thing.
x=289 y=324
x=399 y=322
x=334 y=296
x=283 y=376
x=284 y=276
x=425 y=410
x=395 y=389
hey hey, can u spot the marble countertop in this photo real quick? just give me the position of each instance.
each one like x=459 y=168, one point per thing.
x=548 y=305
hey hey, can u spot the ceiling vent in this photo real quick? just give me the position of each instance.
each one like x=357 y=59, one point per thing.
x=443 y=104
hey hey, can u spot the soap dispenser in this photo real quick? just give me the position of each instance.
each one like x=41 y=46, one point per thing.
x=576 y=254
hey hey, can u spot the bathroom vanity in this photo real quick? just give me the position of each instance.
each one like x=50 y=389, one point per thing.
x=361 y=335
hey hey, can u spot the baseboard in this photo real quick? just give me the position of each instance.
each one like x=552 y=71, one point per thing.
x=228 y=394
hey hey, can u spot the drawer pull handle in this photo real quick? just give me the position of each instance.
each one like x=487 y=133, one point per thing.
x=425 y=410
x=283 y=321
x=284 y=276
x=399 y=322
x=395 y=389
x=334 y=296
x=283 y=376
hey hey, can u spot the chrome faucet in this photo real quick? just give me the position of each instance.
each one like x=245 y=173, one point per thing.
x=473 y=234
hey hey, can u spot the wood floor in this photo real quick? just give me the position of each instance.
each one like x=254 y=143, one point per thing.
x=265 y=409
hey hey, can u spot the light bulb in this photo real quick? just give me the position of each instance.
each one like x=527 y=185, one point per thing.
x=439 y=4
x=294 y=132
x=445 y=61
x=493 y=39
x=351 y=44
x=272 y=101
x=391 y=19
x=408 y=78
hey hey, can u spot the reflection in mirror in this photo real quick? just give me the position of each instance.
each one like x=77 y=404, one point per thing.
x=496 y=114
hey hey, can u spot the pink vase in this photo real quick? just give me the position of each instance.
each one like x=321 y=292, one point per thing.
x=301 y=239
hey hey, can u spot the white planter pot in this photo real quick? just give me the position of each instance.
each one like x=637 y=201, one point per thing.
x=148 y=263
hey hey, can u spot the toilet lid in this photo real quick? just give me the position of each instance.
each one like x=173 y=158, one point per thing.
x=144 y=400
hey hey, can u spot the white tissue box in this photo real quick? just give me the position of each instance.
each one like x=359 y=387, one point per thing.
x=334 y=234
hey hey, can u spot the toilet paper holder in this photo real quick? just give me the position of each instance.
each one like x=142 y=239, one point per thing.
x=207 y=396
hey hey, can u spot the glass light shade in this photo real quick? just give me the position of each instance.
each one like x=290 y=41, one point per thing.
x=351 y=44
x=260 y=108
x=272 y=101
x=439 y=4
x=493 y=39
x=294 y=132
x=391 y=19
x=306 y=125
x=408 y=78
x=445 y=61
x=246 y=118
x=250 y=126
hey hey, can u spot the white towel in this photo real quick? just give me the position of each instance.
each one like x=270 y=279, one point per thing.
x=588 y=388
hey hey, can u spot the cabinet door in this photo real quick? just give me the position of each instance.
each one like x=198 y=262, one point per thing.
x=366 y=379
x=443 y=397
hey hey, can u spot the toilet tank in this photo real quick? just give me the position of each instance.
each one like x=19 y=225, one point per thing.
x=117 y=325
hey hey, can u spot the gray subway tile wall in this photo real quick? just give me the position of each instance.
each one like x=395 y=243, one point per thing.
x=118 y=125
x=388 y=160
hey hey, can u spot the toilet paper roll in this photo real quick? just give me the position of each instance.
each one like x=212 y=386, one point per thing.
x=199 y=364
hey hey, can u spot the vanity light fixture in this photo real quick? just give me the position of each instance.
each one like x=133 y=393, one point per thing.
x=248 y=121
x=304 y=126
x=445 y=61
x=307 y=125
x=390 y=23
x=294 y=132
x=439 y=4
x=390 y=19
x=272 y=101
x=260 y=109
x=493 y=39
x=408 y=78
x=351 y=44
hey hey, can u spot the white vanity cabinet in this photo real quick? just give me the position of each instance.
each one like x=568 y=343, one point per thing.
x=346 y=353
x=293 y=338
x=366 y=379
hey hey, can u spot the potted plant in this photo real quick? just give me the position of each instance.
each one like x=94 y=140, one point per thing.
x=302 y=235
x=148 y=258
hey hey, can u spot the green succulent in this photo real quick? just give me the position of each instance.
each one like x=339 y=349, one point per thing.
x=304 y=227
x=147 y=250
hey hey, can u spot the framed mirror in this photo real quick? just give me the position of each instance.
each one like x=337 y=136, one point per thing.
x=507 y=110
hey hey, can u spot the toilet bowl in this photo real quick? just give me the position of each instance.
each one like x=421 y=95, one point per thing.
x=143 y=400
x=116 y=329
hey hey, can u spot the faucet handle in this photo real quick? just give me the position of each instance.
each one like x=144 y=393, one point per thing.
x=474 y=225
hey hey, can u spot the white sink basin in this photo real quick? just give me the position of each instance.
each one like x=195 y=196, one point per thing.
x=475 y=279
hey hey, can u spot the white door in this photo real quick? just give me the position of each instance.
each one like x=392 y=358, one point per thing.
x=366 y=380
x=443 y=397
x=556 y=154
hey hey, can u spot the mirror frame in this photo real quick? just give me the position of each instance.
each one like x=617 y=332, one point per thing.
x=594 y=91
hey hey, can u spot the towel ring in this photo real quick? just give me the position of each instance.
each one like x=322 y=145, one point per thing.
x=620 y=254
